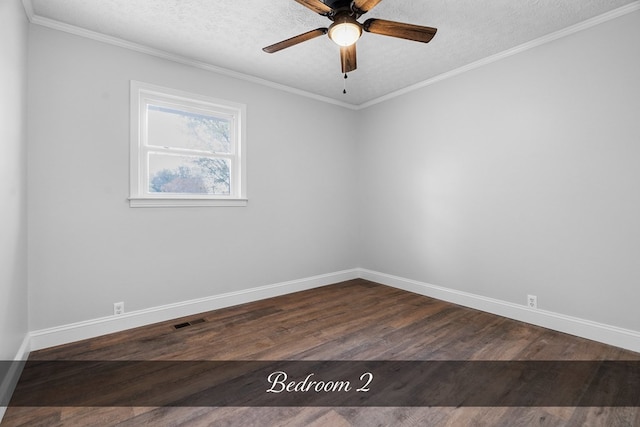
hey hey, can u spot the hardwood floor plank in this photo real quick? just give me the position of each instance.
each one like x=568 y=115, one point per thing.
x=353 y=320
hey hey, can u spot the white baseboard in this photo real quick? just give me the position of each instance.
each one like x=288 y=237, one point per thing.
x=105 y=325
x=612 y=335
x=44 y=338
x=607 y=334
x=8 y=383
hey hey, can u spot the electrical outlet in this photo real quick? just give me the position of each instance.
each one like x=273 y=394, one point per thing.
x=532 y=301
x=118 y=308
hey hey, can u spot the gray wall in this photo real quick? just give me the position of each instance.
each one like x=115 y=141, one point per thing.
x=89 y=249
x=13 y=178
x=520 y=177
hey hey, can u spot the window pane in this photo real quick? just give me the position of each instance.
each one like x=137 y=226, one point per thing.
x=169 y=127
x=189 y=175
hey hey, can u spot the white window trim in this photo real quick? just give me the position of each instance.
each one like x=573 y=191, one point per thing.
x=138 y=197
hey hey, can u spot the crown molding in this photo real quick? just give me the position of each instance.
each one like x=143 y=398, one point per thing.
x=28 y=9
x=57 y=25
x=115 y=41
x=616 y=13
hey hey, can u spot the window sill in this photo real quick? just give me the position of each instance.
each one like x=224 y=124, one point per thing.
x=170 y=203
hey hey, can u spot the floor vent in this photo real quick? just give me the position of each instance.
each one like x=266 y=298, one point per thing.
x=185 y=324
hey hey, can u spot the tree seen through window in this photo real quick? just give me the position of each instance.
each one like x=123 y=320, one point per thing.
x=200 y=167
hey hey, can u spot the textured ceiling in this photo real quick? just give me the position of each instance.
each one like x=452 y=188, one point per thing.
x=231 y=33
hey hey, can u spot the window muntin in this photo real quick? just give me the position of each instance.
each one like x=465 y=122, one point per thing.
x=186 y=149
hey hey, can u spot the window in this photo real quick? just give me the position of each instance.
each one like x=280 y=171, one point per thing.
x=186 y=149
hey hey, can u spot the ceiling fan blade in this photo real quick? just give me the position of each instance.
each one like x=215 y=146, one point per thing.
x=316 y=5
x=364 y=6
x=295 y=40
x=348 y=58
x=398 y=29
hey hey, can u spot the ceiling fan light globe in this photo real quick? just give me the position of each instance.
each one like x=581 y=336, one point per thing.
x=345 y=33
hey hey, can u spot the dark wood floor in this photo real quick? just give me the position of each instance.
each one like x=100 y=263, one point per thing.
x=354 y=320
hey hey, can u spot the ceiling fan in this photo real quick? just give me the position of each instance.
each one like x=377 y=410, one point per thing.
x=346 y=30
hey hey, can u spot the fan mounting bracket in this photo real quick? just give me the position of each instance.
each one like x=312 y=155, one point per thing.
x=341 y=6
x=338 y=4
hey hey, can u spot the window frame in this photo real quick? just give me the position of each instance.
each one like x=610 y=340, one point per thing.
x=143 y=94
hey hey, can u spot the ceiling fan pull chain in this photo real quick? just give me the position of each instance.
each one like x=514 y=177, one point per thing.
x=345 y=84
